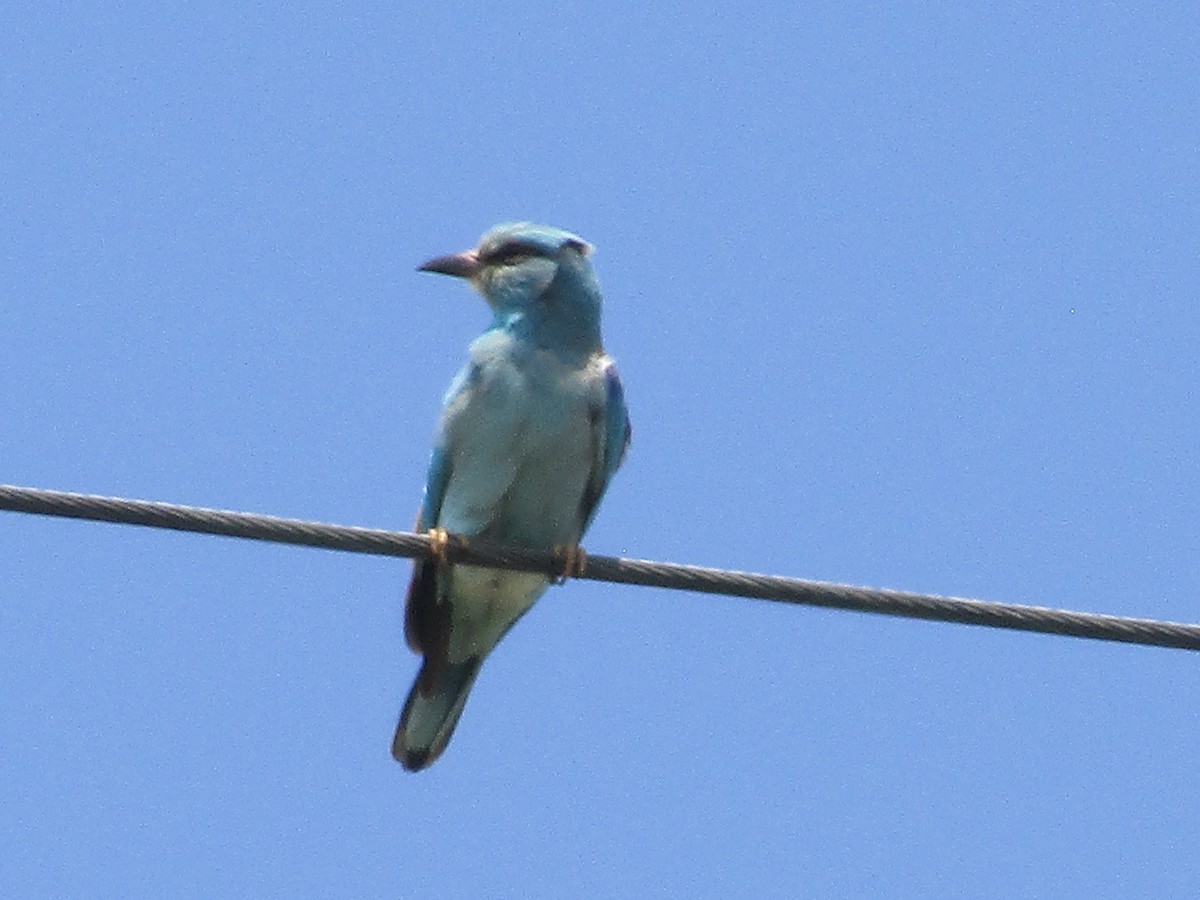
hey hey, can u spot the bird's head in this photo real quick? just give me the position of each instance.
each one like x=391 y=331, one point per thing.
x=519 y=266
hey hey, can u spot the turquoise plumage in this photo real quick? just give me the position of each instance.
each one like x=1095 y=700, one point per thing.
x=533 y=429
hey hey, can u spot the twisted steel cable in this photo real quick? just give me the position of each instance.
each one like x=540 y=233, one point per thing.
x=605 y=568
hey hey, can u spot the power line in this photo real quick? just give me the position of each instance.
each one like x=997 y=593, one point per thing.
x=605 y=568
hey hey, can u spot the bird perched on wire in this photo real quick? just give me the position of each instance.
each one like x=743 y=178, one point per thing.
x=532 y=430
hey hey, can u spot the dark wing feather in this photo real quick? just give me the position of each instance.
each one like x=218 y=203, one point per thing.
x=611 y=434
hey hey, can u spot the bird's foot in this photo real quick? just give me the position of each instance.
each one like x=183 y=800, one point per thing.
x=574 y=561
x=439 y=543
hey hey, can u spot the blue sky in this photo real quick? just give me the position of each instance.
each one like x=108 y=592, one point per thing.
x=901 y=296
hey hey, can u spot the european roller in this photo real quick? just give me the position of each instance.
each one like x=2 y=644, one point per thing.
x=532 y=430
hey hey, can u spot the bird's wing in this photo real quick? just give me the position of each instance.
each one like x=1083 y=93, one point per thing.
x=611 y=433
x=422 y=617
x=472 y=466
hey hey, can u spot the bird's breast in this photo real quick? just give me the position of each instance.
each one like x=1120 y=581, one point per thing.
x=521 y=443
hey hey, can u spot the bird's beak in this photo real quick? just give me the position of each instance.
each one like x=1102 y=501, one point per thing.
x=460 y=265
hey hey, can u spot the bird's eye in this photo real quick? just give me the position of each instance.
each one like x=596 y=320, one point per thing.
x=508 y=255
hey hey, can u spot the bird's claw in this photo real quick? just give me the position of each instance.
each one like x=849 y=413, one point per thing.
x=574 y=559
x=439 y=543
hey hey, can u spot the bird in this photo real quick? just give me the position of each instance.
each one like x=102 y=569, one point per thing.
x=532 y=430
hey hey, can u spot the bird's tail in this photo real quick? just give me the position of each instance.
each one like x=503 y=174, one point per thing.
x=431 y=712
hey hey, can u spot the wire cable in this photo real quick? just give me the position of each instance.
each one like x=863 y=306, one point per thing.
x=605 y=568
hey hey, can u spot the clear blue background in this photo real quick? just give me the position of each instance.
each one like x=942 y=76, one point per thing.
x=901 y=296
